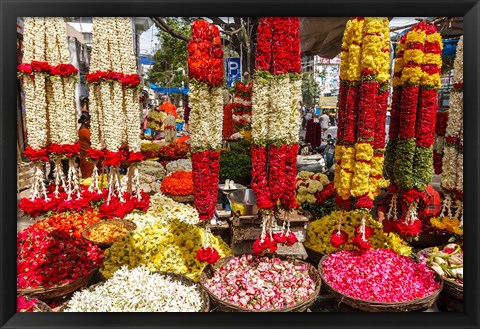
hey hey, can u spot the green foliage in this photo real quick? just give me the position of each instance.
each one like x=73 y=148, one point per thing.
x=320 y=210
x=172 y=54
x=237 y=163
x=310 y=89
x=423 y=167
x=403 y=171
x=389 y=162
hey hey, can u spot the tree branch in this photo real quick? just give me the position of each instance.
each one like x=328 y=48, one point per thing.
x=162 y=25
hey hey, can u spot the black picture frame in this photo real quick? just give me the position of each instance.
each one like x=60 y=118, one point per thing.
x=10 y=9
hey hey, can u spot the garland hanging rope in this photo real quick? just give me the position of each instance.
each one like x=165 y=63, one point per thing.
x=115 y=110
x=363 y=98
x=49 y=82
x=412 y=130
x=275 y=125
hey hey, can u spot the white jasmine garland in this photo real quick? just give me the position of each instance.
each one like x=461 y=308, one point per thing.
x=132 y=107
x=279 y=110
x=260 y=106
x=205 y=116
x=28 y=39
x=181 y=164
x=458 y=63
x=137 y=290
x=459 y=170
x=449 y=167
x=170 y=132
x=295 y=120
x=455 y=114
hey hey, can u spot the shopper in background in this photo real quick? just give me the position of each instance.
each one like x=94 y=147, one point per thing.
x=324 y=121
x=86 y=167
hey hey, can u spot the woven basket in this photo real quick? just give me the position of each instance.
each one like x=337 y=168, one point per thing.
x=223 y=306
x=450 y=288
x=129 y=225
x=176 y=277
x=39 y=305
x=180 y=198
x=313 y=255
x=372 y=306
x=55 y=292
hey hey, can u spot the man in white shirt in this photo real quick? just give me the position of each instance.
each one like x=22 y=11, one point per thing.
x=324 y=120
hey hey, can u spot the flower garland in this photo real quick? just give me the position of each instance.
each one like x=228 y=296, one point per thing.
x=242 y=106
x=362 y=115
x=228 y=126
x=49 y=84
x=115 y=108
x=452 y=164
x=205 y=69
x=440 y=130
x=413 y=146
x=275 y=122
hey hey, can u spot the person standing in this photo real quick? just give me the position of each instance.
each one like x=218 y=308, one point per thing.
x=86 y=167
x=324 y=121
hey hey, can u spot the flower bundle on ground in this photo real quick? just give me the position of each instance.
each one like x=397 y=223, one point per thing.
x=46 y=259
x=205 y=67
x=48 y=81
x=275 y=116
x=178 y=183
x=69 y=223
x=162 y=245
x=323 y=237
x=137 y=290
x=379 y=275
x=414 y=115
x=114 y=106
x=452 y=163
x=261 y=283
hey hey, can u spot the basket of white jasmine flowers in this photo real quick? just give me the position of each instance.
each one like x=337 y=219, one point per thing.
x=140 y=290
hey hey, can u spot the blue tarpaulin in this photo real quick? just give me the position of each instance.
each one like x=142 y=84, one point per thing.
x=146 y=60
x=165 y=90
x=449 y=47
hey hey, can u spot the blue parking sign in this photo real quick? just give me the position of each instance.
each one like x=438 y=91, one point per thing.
x=233 y=70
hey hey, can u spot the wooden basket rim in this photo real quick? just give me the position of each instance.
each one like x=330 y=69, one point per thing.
x=375 y=303
x=223 y=261
x=29 y=291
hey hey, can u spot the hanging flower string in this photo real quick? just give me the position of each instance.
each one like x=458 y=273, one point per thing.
x=412 y=147
x=452 y=163
x=362 y=114
x=275 y=125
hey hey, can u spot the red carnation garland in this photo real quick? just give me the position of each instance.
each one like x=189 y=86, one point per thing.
x=228 y=128
x=260 y=176
x=205 y=171
x=440 y=130
x=276 y=174
x=263 y=51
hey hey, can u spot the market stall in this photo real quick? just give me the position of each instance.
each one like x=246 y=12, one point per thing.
x=228 y=215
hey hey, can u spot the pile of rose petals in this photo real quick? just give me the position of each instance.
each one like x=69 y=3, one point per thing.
x=378 y=275
x=261 y=283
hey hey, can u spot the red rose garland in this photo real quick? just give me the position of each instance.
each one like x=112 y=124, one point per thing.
x=227 y=129
x=205 y=171
x=274 y=164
